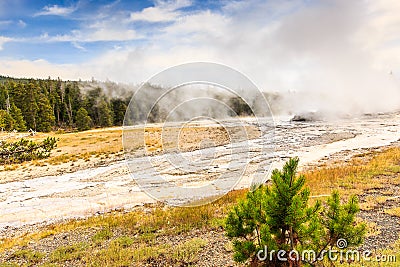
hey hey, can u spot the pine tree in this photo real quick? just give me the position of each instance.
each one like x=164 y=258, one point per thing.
x=55 y=101
x=119 y=109
x=7 y=123
x=26 y=96
x=339 y=219
x=73 y=100
x=4 y=97
x=45 y=116
x=16 y=114
x=278 y=217
x=91 y=103
x=104 y=114
x=239 y=107
x=83 y=120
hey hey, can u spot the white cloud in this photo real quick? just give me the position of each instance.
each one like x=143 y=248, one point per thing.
x=41 y=69
x=56 y=11
x=163 y=11
x=78 y=46
x=113 y=27
x=21 y=23
x=381 y=34
x=94 y=36
x=5 y=22
x=154 y=14
x=112 y=35
x=202 y=23
x=4 y=40
x=318 y=49
x=173 y=4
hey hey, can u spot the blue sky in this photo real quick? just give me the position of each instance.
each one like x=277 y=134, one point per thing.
x=321 y=46
x=75 y=31
x=65 y=32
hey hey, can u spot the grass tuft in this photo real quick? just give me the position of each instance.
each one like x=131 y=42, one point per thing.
x=102 y=235
x=69 y=253
x=28 y=255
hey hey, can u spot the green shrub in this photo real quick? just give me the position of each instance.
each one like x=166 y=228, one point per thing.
x=26 y=150
x=279 y=218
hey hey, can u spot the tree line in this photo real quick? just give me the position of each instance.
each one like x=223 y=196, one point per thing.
x=50 y=104
x=47 y=104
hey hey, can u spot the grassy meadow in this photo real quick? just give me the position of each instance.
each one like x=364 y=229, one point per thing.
x=106 y=143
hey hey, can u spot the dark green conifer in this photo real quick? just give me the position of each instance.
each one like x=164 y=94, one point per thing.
x=104 y=114
x=45 y=116
x=279 y=217
x=83 y=121
x=7 y=123
x=16 y=114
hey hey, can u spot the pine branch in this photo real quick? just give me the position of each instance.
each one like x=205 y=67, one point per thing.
x=24 y=150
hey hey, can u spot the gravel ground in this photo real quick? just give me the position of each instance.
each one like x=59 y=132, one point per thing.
x=216 y=252
x=388 y=225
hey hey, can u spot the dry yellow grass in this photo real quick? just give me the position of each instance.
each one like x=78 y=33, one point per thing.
x=393 y=211
x=73 y=146
x=155 y=139
x=158 y=218
x=357 y=175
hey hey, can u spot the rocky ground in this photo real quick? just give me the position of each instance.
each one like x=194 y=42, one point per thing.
x=217 y=251
x=387 y=225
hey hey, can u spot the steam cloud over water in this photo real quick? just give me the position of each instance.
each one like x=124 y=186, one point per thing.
x=203 y=100
x=336 y=58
